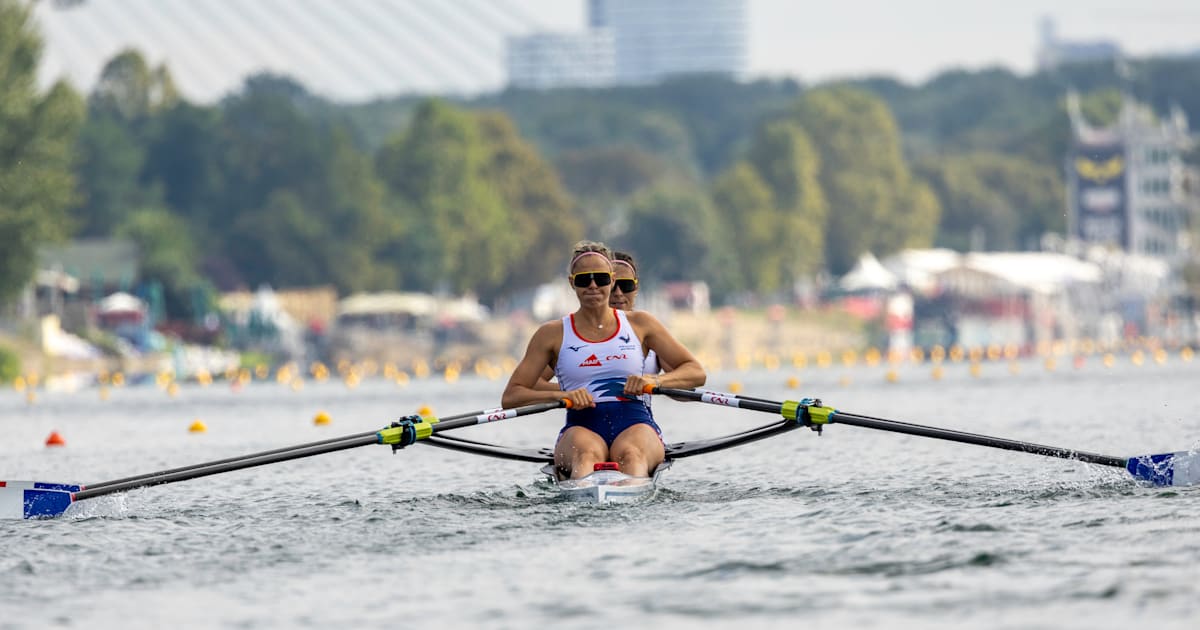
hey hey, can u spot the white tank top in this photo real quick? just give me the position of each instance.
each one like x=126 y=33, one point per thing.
x=599 y=366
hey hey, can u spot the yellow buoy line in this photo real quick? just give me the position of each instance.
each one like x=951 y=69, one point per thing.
x=1058 y=356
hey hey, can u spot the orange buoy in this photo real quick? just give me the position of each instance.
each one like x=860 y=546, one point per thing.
x=198 y=427
x=55 y=439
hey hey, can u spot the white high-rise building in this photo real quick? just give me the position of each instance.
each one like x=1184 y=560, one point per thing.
x=656 y=39
x=550 y=60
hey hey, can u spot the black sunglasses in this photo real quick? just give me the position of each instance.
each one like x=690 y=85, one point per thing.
x=585 y=279
x=626 y=285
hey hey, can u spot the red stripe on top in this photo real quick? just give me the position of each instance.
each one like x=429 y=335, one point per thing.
x=614 y=333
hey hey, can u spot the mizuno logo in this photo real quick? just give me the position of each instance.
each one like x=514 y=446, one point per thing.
x=591 y=361
x=624 y=338
x=577 y=348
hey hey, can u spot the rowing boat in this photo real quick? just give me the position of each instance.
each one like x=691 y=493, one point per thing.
x=606 y=484
x=30 y=499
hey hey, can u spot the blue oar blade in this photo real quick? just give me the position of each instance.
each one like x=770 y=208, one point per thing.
x=34 y=499
x=1166 y=469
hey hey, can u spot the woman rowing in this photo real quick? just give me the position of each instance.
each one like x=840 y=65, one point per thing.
x=597 y=354
x=624 y=297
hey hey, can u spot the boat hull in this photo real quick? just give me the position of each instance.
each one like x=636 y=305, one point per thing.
x=607 y=486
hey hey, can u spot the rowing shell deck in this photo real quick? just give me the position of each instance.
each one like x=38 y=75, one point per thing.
x=607 y=486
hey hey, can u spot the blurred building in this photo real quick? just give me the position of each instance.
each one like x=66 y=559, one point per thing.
x=636 y=42
x=550 y=60
x=1054 y=52
x=1127 y=183
x=656 y=39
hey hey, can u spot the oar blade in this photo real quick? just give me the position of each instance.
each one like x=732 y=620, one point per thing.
x=35 y=499
x=1166 y=469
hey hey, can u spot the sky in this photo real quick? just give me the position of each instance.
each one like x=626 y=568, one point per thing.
x=353 y=51
x=913 y=40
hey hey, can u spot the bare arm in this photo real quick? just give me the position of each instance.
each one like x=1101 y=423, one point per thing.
x=685 y=370
x=522 y=385
x=544 y=384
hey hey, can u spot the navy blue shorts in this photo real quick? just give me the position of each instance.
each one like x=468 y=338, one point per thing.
x=609 y=419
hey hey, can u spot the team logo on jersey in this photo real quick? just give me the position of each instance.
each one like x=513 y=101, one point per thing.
x=624 y=338
x=614 y=387
x=591 y=361
x=577 y=348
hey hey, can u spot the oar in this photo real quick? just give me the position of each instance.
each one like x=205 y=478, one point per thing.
x=1181 y=468
x=27 y=499
x=285 y=449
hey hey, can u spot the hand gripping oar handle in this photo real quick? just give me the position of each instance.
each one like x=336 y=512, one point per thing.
x=1182 y=468
x=400 y=433
x=473 y=415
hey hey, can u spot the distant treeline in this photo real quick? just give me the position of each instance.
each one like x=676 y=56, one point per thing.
x=750 y=186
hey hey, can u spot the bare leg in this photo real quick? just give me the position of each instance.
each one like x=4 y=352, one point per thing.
x=578 y=451
x=638 y=450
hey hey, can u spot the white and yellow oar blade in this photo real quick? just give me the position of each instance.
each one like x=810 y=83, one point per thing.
x=1166 y=469
x=35 y=499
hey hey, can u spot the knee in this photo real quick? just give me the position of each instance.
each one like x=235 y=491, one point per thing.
x=584 y=449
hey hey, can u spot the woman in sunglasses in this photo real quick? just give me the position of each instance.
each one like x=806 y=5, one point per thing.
x=598 y=353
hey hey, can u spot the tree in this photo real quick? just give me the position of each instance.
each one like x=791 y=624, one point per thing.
x=109 y=171
x=37 y=132
x=460 y=234
x=784 y=157
x=1006 y=201
x=746 y=212
x=539 y=206
x=864 y=176
x=131 y=90
x=671 y=234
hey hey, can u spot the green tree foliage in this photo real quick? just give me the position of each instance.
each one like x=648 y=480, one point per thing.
x=671 y=232
x=10 y=365
x=113 y=143
x=301 y=204
x=539 y=206
x=460 y=234
x=130 y=90
x=184 y=159
x=37 y=132
x=602 y=179
x=109 y=170
x=864 y=176
x=994 y=201
x=747 y=214
x=785 y=158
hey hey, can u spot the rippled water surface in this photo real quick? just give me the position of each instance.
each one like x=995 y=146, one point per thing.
x=853 y=528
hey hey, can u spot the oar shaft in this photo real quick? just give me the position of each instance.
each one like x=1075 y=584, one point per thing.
x=474 y=415
x=974 y=438
x=213 y=468
x=299 y=451
x=883 y=424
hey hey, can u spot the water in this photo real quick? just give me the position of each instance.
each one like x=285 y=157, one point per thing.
x=853 y=528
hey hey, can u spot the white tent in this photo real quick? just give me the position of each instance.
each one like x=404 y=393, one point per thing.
x=868 y=274
x=121 y=302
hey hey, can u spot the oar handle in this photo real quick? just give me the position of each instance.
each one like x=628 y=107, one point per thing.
x=721 y=398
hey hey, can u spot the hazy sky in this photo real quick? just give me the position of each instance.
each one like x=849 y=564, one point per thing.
x=914 y=39
x=356 y=51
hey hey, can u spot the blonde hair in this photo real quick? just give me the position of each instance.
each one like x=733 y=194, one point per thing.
x=583 y=248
